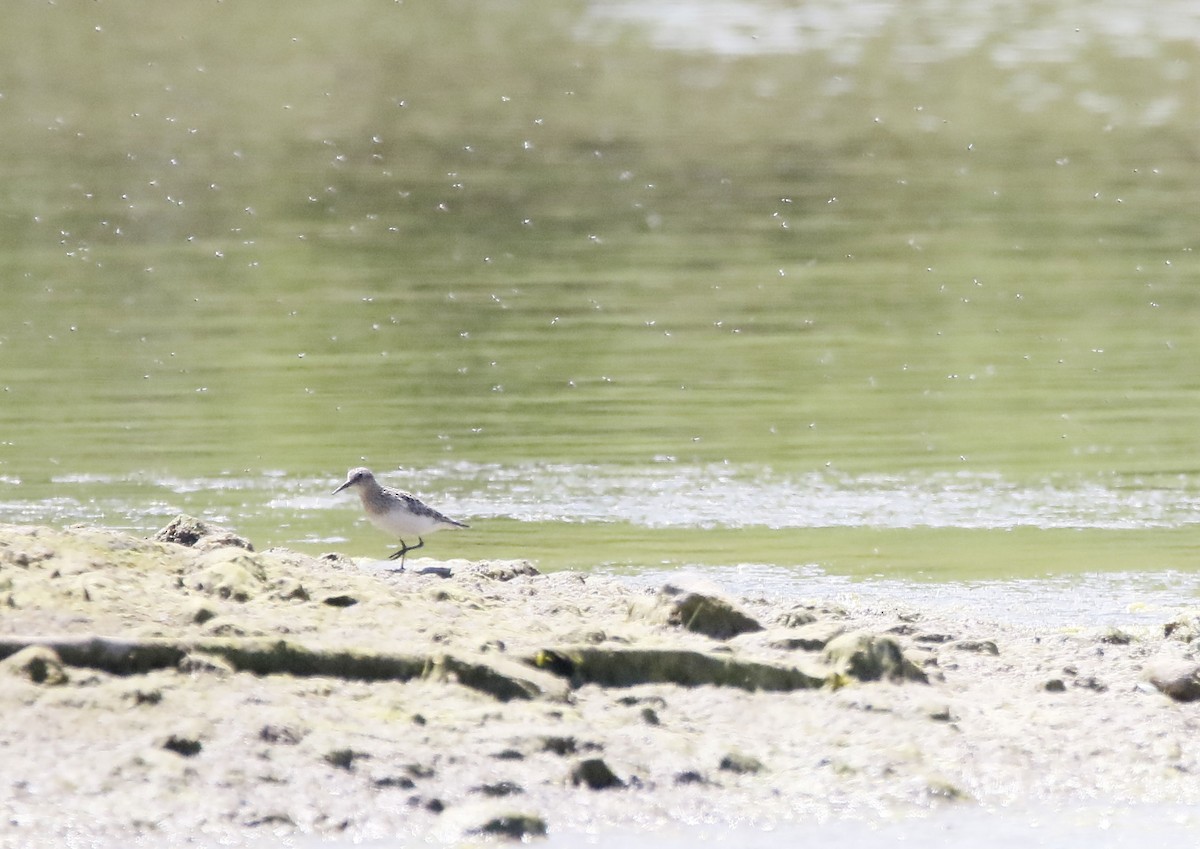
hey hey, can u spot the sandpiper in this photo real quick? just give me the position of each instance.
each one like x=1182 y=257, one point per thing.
x=396 y=512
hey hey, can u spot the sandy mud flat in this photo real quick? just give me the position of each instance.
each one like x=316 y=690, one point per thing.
x=187 y=688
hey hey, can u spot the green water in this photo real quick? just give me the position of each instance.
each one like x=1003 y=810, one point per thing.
x=896 y=289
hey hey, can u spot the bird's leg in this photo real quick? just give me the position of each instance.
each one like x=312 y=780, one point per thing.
x=405 y=548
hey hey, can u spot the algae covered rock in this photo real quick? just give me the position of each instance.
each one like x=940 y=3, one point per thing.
x=486 y=821
x=1179 y=679
x=628 y=667
x=980 y=646
x=869 y=657
x=595 y=774
x=38 y=664
x=185 y=744
x=230 y=573
x=741 y=764
x=503 y=570
x=702 y=612
x=811 y=636
x=1185 y=628
x=196 y=533
x=516 y=826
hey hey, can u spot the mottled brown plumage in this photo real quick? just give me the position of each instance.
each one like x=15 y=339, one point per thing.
x=399 y=513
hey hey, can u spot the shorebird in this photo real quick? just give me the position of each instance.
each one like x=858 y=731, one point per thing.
x=396 y=512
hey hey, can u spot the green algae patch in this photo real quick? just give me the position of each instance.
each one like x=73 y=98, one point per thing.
x=113 y=655
x=503 y=680
x=628 y=667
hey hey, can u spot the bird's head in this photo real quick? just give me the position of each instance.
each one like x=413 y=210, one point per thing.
x=355 y=477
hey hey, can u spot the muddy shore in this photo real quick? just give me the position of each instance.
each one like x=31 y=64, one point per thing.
x=188 y=687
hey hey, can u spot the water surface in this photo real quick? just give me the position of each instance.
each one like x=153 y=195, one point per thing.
x=863 y=292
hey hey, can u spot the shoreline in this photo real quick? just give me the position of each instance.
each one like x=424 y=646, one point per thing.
x=188 y=687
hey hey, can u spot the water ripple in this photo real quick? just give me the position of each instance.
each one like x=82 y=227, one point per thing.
x=669 y=496
x=664 y=495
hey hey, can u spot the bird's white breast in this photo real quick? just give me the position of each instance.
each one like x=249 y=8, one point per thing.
x=401 y=516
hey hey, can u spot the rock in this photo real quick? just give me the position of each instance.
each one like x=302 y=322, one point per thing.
x=39 y=664
x=187 y=745
x=981 y=646
x=280 y=735
x=230 y=573
x=499 y=788
x=1185 y=628
x=400 y=782
x=1179 y=679
x=204 y=663
x=654 y=701
x=344 y=758
x=797 y=617
x=932 y=637
x=703 y=613
x=141 y=696
x=943 y=789
x=276 y=819
x=290 y=589
x=741 y=764
x=868 y=657
x=503 y=570
x=1116 y=637
x=812 y=636
x=560 y=746
x=503 y=679
x=202 y=612
x=200 y=535
x=420 y=771
x=516 y=826
x=941 y=713
x=93 y=586
x=595 y=773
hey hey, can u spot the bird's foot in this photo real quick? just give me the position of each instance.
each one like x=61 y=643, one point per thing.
x=405 y=548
